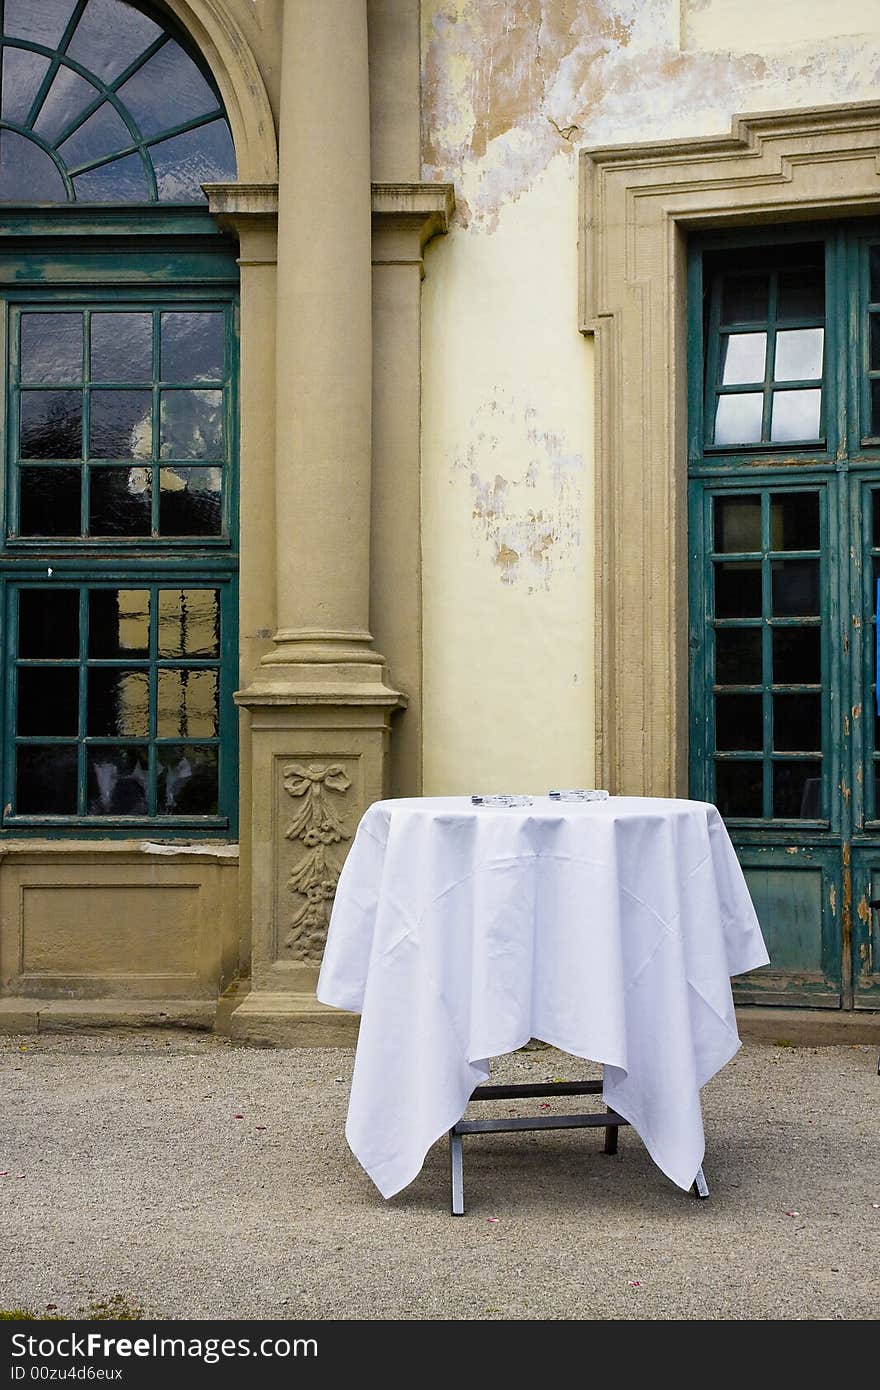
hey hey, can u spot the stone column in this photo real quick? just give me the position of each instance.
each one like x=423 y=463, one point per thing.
x=319 y=700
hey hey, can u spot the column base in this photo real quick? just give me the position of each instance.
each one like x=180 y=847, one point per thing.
x=285 y=1019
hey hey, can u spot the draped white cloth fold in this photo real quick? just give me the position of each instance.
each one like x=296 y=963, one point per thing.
x=608 y=928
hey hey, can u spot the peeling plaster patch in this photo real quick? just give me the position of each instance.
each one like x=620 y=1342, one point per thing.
x=510 y=83
x=532 y=522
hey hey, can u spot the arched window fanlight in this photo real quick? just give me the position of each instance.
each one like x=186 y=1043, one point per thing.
x=99 y=103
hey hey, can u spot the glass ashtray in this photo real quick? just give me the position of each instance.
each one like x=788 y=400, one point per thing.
x=501 y=800
x=579 y=794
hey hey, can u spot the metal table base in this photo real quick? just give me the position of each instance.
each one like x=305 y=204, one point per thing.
x=609 y=1120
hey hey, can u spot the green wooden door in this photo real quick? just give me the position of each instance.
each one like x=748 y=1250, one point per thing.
x=784 y=549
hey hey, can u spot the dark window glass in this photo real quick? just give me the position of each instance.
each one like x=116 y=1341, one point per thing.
x=797 y=790
x=110 y=35
x=738 y=589
x=875 y=342
x=51 y=348
x=23 y=72
x=739 y=788
x=102 y=133
x=797 y=723
x=51 y=424
x=119 y=623
x=190 y=502
x=745 y=298
x=738 y=656
x=875 y=407
x=187 y=783
x=797 y=656
x=122 y=347
x=120 y=502
x=121 y=181
x=794 y=521
x=185 y=162
x=739 y=723
x=801 y=293
x=118 y=703
x=49 y=502
x=167 y=91
x=27 y=173
x=121 y=425
x=69 y=97
x=118 y=781
x=48 y=623
x=874 y=270
x=192 y=346
x=45 y=780
x=737 y=523
x=795 y=588
x=48 y=701
x=192 y=425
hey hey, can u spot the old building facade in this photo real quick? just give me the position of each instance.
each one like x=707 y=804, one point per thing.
x=432 y=396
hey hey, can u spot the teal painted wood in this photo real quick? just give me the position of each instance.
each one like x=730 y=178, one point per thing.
x=179 y=267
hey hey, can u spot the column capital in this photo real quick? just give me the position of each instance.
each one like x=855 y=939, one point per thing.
x=405 y=216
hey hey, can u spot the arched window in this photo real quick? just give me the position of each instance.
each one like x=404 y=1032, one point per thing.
x=118 y=427
x=100 y=103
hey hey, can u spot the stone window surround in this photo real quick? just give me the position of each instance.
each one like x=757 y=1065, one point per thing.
x=637 y=206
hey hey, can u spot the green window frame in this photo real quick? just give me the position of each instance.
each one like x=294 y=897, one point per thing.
x=117 y=717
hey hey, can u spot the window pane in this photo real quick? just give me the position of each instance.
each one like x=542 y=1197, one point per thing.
x=120 y=502
x=102 y=133
x=68 y=97
x=187 y=784
x=739 y=723
x=49 y=502
x=27 y=174
x=192 y=346
x=738 y=656
x=48 y=700
x=167 y=91
x=795 y=416
x=189 y=622
x=119 y=622
x=48 y=623
x=185 y=162
x=51 y=424
x=794 y=521
x=118 y=703
x=51 y=348
x=875 y=519
x=45 y=781
x=744 y=298
x=187 y=704
x=738 y=418
x=801 y=294
x=189 y=502
x=797 y=790
x=23 y=72
x=797 y=656
x=38 y=23
x=739 y=788
x=795 y=585
x=738 y=589
x=875 y=342
x=874 y=268
x=875 y=408
x=121 y=425
x=122 y=347
x=737 y=523
x=192 y=424
x=121 y=181
x=110 y=35
x=799 y=354
x=118 y=779
x=743 y=356
x=797 y=723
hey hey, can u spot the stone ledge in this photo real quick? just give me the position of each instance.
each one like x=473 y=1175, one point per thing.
x=807 y=1027
x=26 y=1015
x=290 y=1020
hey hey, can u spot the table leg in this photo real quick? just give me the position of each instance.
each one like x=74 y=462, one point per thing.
x=456 y=1173
x=701 y=1187
x=610 y=1135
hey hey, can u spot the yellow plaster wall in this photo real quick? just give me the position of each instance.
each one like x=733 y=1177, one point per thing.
x=511 y=90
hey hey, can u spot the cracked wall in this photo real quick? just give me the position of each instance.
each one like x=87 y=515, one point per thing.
x=511 y=90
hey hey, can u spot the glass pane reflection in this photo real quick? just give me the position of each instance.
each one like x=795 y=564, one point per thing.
x=795 y=586
x=118 y=703
x=187 y=784
x=739 y=788
x=45 y=780
x=794 y=521
x=51 y=348
x=122 y=347
x=192 y=346
x=189 y=622
x=738 y=418
x=192 y=424
x=119 y=623
x=799 y=354
x=743 y=356
x=795 y=416
x=187 y=704
x=120 y=502
x=118 y=781
x=189 y=502
x=797 y=790
x=738 y=523
x=121 y=425
x=51 y=424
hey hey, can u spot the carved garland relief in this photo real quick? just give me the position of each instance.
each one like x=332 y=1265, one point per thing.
x=316 y=826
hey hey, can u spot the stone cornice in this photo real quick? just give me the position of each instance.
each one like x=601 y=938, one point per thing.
x=425 y=208
x=235 y=203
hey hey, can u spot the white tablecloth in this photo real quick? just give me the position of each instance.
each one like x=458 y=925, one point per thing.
x=609 y=929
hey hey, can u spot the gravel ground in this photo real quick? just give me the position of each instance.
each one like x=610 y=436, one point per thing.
x=203 y=1179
